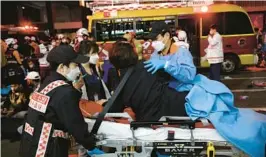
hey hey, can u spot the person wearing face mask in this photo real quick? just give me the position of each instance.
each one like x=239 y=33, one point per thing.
x=171 y=57
x=214 y=52
x=92 y=78
x=82 y=36
x=180 y=40
x=14 y=69
x=54 y=113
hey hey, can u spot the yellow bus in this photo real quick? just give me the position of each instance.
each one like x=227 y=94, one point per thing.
x=110 y=23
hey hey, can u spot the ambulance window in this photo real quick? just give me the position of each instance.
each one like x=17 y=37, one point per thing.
x=210 y=19
x=143 y=25
x=237 y=23
x=112 y=29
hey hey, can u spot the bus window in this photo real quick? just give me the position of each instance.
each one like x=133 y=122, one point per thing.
x=143 y=25
x=210 y=19
x=237 y=23
x=107 y=30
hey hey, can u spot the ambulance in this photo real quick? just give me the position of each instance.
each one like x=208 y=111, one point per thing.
x=109 y=23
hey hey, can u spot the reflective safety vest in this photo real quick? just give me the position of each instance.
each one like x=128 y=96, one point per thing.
x=39 y=132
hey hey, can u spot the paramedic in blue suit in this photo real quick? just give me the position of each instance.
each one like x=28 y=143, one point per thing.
x=203 y=101
x=172 y=56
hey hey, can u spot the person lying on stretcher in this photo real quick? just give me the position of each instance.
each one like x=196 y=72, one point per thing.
x=147 y=94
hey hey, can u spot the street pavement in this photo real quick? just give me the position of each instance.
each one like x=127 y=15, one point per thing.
x=246 y=96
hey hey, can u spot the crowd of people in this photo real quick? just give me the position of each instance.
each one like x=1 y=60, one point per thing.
x=46 y=79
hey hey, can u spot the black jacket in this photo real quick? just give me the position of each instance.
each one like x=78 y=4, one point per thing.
x=149 y=95
x=64 y=113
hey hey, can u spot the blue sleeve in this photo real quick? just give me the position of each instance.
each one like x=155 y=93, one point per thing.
x=180 y=66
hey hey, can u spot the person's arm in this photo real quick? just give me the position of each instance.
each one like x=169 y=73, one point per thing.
x=70 y=115
x=181 y=66
x=17 y=56
x=214 y=40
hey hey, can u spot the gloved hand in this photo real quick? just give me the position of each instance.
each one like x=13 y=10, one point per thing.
x=95 y=151
x=154 y=64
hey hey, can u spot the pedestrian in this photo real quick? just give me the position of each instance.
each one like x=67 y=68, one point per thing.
x=214 y=52
x=14 y=70
x=82 y=36
x=131 y=37
x=33 y=80
x=179 y=29
x=16 y=103
x=54 y=113
x=35 y=45
x=181 y=40
x=3 y=51
x=45 y=48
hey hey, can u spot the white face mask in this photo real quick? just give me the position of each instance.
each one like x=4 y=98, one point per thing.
x=73 y=74
x=94 y=59
x=158 y=45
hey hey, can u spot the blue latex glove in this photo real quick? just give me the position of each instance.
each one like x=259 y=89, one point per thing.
x=5 y=91
x=154 y=64
x=95 y=151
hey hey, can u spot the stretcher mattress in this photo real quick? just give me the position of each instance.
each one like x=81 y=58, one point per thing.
x=112 y=130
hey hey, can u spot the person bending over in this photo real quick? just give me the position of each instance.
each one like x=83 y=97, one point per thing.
x=148 y=95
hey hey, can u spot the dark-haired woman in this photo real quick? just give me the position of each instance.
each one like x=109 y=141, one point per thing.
x=148 y=95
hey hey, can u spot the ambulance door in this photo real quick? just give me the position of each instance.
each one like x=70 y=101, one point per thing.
x=191 y=25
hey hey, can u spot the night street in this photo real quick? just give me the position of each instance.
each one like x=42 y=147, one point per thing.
x=239 y=83
x=133 y=78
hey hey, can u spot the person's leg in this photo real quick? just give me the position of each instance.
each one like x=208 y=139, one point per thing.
x=211 y=71
x=217 y=72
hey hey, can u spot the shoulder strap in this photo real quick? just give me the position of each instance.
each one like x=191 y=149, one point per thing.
x=106 y=91
x=100 y=117
x=52 y=86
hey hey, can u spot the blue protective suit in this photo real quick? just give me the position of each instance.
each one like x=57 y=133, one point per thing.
x=210 y=99
x=181 y=67
x=244 y=128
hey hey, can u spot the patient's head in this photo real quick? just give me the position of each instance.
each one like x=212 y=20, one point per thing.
x=123 y=55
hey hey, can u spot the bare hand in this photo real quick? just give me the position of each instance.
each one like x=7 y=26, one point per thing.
x=101 y=102
x=78 y=84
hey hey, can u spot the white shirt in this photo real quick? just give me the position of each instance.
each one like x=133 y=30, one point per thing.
x=215 y=49
x=43 y=49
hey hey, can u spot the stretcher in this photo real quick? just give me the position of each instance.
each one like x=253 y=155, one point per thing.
x=170 y=136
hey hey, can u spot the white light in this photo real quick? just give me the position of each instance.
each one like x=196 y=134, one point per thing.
x=23 y=7
x=204 y=9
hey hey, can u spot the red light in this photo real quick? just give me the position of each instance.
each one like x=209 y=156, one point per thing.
x=106 y=14
x=35 y=28
x=204 y=9
x=26 y=27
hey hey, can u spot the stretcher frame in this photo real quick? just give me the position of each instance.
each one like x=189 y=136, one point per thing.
x=172 y=147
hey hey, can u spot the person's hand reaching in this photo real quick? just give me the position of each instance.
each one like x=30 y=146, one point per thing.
x=101 y=102
x=154 y=64
x=79 y=83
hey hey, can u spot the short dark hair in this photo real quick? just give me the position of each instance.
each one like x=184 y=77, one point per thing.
x=178 y=28
x=123 y=55
x=214 y=26
x=95 y=47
